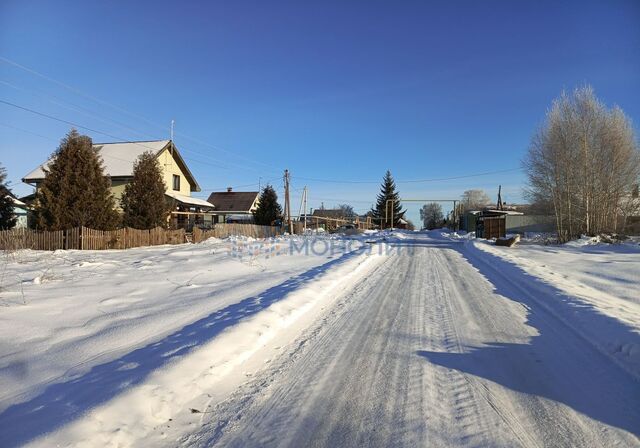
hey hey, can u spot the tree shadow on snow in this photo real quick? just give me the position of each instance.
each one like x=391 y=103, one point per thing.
x=61 y=403
x=558 y=364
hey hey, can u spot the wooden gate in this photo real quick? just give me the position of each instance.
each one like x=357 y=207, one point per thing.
x=491 y=227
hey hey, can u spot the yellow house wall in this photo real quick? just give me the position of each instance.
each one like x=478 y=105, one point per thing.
x=117 y=188
x=170 y=167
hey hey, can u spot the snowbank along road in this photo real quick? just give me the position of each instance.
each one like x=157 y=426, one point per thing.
x=428 y=342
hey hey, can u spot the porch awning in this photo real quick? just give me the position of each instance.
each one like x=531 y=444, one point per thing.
x=188 y=200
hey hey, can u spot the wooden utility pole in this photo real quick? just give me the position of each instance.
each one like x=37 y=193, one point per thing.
x=455 y=216
x=287 y=203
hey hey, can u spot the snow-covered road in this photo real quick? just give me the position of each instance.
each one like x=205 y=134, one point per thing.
x=437 y=347
x=422 y=341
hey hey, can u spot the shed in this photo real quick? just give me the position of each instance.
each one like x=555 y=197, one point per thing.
x=493 y=223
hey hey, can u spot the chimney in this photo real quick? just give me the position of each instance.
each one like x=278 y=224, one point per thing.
x=229 y=189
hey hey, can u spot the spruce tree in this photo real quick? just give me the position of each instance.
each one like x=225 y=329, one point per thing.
x=75 y=191
x=268 y=210
x=144 y=204
x=7 y=216
x=383 y=208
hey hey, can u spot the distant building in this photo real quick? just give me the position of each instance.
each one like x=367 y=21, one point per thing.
x=402 y=224
x=234 y=206
x=20 y=210
x=506 y=221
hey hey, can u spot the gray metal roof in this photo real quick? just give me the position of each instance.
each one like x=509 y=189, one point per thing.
x=233 y=201
x=119 y=157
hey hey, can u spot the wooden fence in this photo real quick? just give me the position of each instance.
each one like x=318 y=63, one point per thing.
x=29 y=239
x=225 y=230
x=83 y=238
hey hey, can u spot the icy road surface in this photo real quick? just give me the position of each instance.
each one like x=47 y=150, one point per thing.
x=436 y=347
x=424 y=341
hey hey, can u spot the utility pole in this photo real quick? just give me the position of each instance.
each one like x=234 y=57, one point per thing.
x=499 y=205
x=304 y=195
x=287 y=203
x=455 y=216
x=303 y=208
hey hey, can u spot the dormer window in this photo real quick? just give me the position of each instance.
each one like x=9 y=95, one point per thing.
x=176 y=182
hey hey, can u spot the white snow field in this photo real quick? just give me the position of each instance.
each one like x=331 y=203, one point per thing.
x=419 y=339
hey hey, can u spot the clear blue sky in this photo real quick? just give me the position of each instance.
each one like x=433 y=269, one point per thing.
x=331 y=90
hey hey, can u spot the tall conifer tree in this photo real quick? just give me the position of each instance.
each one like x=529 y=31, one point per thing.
x=7 y=215
x=75 y=191
x=268 y=210
x=383 y=208
x=144 y=204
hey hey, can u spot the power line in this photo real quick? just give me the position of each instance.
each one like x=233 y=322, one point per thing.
x=85 y=111
x=122 y=110
x=217 y=148
x=86 y=128
x=265 y=182
x=76 y=91
x=486 y=173
x=27 y=132
x=51 y=117
x=97 y=132
x=78 y=126
x=75 y=107
x=439 y=179
x=232 y=187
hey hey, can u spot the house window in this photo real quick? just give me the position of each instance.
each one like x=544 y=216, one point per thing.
x=176 y=182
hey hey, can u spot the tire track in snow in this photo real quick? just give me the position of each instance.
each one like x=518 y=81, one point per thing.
x=359 y=377
x=225 y=416
x=361 y=382
x=532 y=418
x=471 y=418
x=473 y=387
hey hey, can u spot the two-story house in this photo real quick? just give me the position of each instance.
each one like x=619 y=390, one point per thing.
x=118 y=161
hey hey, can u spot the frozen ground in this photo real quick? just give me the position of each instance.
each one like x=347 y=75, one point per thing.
x=419 y=340
x=591 y=279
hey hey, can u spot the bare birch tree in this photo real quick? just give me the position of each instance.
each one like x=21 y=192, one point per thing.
x=431 y=215
x=584 y=161
x=475 y=199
